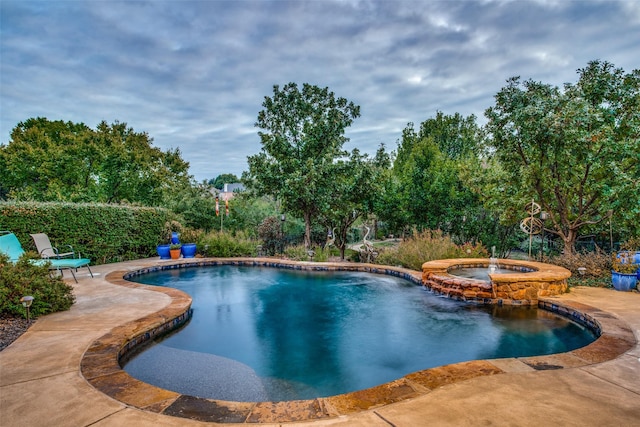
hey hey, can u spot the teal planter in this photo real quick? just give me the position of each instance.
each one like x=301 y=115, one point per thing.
x=188 y=250
x=624 y=282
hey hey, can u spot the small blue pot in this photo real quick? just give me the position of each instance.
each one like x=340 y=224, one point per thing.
x=188 y=250
x=163 y=251
x=174 y=238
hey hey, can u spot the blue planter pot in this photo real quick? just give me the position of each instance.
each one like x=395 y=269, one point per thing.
x=633 y=257
x=174 y=238
x=623 y=282
x=188 y=250
x=163 y=251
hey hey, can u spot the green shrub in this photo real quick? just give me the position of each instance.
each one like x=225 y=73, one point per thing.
x=225 y=245
x=190 y=235
x=352 y=255
x=296 y=253
x=597 y=268
x=300 y=253
x=596 y=264
x=270 y=232
x=50 y=294
x=426 y=246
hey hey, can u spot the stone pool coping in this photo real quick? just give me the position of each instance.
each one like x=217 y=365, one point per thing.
x=100 y=365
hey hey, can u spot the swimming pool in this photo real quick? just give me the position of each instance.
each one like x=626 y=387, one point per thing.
x=262 y=334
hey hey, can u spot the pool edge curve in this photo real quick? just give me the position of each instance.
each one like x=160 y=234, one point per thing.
x=100 y=363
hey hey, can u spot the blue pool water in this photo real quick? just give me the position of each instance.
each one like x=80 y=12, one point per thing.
x=262 y=334
x=479 y=273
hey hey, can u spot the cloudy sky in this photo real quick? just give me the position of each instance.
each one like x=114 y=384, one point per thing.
x=194 y=74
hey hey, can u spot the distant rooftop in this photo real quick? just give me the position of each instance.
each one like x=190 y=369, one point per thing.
x=235 y=187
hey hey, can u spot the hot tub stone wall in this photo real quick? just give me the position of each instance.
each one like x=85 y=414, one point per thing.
x=533 y=281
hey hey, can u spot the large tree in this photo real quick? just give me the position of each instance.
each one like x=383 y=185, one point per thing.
x=456 y=136
x=38 y=163
x=431 y=183
x=574 y=151
x=428 y=166
x=355 y=185
x=63 y=161
x=302 y=136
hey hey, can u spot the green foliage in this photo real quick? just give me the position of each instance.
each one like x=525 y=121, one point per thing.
x=426 y=246
x=221 y=180
x=431 y=184
x=631 y=244
x=300 y=253
x=622 y=262
x=589 y=281
x=247 y=212
x=224 y=245
x=356 y=185
x=596 y=268
x=390 y=205
x=50 y=294
x=104 y=233
x=57 y=161
x=575 y=151
x=196 y=206
x=457 y=137
x=270 y=232
x=596 y=264
x=303 y=134
x=190 y=235
x=296 y=253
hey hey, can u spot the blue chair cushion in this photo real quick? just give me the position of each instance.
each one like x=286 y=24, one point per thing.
x=69 y=263
x=10 y=245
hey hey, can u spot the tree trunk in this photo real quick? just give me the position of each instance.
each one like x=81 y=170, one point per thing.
x=307 y=230
x=570 y=242
x=568 y=238
x=343 y=242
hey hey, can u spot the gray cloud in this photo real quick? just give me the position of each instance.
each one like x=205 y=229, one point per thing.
x=193 y=74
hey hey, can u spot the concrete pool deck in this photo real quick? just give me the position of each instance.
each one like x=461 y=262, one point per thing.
x=41 y=381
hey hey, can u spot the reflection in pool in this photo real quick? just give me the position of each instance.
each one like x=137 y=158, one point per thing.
x=262 y=334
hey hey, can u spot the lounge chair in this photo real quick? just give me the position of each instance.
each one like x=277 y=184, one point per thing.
x=47 y=250
x=10 y=245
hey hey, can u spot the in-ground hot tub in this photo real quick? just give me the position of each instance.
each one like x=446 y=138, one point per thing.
x=522 y=285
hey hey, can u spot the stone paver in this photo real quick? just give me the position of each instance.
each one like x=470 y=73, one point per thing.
x=41 y=382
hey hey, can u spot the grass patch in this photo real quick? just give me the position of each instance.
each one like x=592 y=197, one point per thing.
x=593 y=282
x=426 y=246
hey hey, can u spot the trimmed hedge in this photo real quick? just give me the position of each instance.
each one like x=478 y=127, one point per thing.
x=102 y=232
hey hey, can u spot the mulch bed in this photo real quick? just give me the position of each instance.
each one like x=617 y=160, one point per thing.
x=11 y=327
